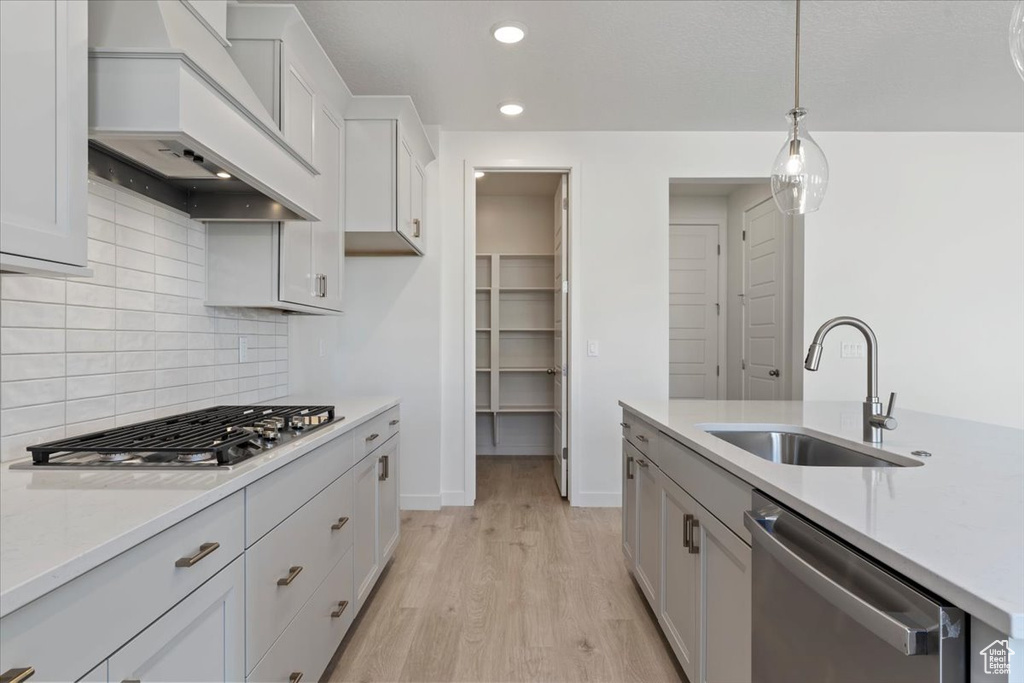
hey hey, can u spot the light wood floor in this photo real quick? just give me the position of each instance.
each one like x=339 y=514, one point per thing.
x=521 y=587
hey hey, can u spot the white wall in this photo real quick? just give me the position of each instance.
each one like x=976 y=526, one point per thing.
x=514 y=224
x=920 y=234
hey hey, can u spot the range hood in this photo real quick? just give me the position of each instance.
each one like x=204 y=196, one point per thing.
x=172 y=116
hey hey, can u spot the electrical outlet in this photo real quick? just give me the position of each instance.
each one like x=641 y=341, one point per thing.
x=243 y=350
x=593 y=348
x=852 y=350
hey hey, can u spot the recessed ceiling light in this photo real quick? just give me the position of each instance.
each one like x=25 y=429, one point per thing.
x=511 y=108
x=479 y=174
x=223 y=174
x=508 y=32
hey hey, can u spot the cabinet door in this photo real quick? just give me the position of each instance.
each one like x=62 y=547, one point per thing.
x=629 y=483
x=404 y=198
x=725 y=621
x=648 y=537
x=387 y=503
x=328 y=237
x=364 y=516
x=43 y=129
x=298 y=106
x=416 y=202
x=298 y=282
x=202 y=638
x=680 y=611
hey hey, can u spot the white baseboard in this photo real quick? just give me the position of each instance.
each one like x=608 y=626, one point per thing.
x=418 y=502
x=597 y=499
x=455 y=498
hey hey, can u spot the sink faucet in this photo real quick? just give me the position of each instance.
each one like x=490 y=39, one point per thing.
x=874 y=419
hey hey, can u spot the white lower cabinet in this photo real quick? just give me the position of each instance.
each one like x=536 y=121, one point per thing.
x=364 y=483
x=648 y=537
x=694 y=570
x=680 y=604
x=387 y=501
x=199 y=639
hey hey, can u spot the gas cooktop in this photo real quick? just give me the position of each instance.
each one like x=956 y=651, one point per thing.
x=217 y=437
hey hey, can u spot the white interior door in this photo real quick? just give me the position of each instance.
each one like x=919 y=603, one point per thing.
x=693 y=311
x=560 y=336
x=764 y=303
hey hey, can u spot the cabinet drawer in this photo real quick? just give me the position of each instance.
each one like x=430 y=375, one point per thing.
x=309 y=642
x=723 y=494
x=274 y=497
x=371 y=435
x=67 y=632
x=392 y=421
x=275 y=586
x=639 y=433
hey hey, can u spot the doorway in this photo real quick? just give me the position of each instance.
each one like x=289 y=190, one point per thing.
x=522 y=317
x=735 y=292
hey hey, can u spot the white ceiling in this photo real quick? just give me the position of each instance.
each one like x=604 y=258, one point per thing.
x=517 y=184
x=696 y=65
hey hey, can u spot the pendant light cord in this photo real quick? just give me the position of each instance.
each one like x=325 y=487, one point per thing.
x=796 y=84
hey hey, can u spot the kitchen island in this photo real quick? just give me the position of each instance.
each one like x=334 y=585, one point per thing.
x=951 y=523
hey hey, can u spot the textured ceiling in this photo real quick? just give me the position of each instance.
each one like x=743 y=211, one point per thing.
x=685 y=65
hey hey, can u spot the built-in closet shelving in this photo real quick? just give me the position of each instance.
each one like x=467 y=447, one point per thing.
x=515 y=338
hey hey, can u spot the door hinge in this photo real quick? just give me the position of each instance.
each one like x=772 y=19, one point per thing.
x=744 y=235
x=718 y=371
x=565 y=454
x=718 y=309
x=719 y=249
x=743 y=364
x=565 y=203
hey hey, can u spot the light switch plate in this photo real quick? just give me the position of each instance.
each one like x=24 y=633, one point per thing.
x=593 y=348
x=852 y=350
x=243 y=350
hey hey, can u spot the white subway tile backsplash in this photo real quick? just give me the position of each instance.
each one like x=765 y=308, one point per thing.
x=132 y=342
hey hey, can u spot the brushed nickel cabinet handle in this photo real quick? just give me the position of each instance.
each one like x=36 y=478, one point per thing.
x=393 y=423
x=292 y=573
x=625 y=425
x=641 y=462
x=415 y=227
x=385 y=469
x=17 y=675
x=204 y=550
x=295 y=677
x=687 y=530
x=694 y=525
x=629 y=467
x=342 y=604
x=641 y=438
x=373 y=436
x=342 y=521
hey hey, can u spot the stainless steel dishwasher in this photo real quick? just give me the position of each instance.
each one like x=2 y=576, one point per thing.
x=823 y=612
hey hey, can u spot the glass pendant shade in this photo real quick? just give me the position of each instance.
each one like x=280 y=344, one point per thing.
x=800 y=171
x=1017 y=37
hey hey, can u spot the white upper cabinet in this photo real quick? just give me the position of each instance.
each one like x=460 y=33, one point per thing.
x=298 y=106
x=43 y=135
x=386 y=150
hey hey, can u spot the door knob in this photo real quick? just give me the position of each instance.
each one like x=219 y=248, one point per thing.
x=773 y=373
x=550 y=371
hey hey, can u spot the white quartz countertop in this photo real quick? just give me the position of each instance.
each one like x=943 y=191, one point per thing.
x=55 y=525
x=954 y=525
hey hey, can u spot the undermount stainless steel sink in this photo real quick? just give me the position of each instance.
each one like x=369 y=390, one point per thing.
x=794 y=448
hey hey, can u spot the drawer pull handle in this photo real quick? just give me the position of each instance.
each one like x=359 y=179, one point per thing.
x=393 y=423
x=625 y=425
x=17 y=675
x=292 y=573
x=342 y=605
x=694 y=525
x=295 y=677
x=342 y=521
x=373 y=436
x=204 y=550
x=641 y=438
x=415 y=227
x=641 y=462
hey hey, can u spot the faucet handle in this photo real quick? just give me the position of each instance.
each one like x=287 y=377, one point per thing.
x=888 y=421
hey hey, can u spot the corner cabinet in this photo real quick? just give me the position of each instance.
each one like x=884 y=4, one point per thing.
x=384 y=186
x=693 y=565
x=44 y=136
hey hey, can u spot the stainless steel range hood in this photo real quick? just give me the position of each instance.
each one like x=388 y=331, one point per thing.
x=165 y=96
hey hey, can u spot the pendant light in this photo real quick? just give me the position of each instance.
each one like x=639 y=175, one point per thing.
x=800 y=172
x=1017 y=37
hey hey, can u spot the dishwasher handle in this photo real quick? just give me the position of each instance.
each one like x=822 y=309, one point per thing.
x=909 y=640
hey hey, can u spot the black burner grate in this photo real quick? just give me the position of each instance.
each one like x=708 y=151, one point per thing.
x=199 y=431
